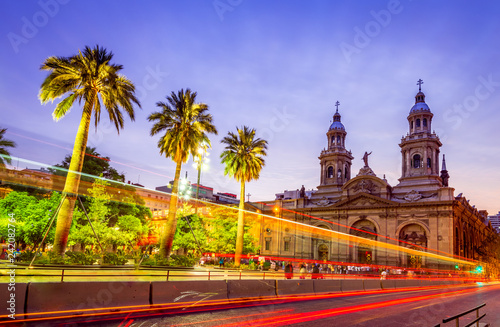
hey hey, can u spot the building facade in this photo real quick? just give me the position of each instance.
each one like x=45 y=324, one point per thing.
x=421 y=212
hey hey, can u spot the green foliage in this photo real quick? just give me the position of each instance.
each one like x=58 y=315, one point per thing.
x=114 y=259
x=26 y=256
x=174 y=261
x=222 y=231
x=93 y=164
x=31 y=215
x=80 y=258
x=122 y=230
x=184 y=238
x=4 y=144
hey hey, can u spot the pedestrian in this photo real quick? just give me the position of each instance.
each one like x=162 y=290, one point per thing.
x=288 y=270
x=383 y=275
x=221 y=263
x=315 y=271
x=302 y=271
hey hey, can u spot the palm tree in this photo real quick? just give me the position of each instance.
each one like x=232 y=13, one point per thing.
x=87 y=77
x=243 y=157
x=186 y=125
x=4 y=143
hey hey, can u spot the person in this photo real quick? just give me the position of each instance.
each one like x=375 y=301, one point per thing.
x=383 y=275
x=315 y=272
x=288 y=270
x=221 y=263
x=302 y=271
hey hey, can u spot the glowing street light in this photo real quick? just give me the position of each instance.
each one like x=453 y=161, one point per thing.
x=200 y=162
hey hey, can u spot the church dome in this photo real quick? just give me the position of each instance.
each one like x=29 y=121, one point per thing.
x=420 y=106
x=337 y=125
x=336 y=121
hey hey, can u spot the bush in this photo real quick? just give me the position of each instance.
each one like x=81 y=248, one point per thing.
x=184 y=261
x=174 y=260
x=80 y=258
x=25 y=256
x=114 y=259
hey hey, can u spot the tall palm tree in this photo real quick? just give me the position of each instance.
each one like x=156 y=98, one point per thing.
x=186 y=124
x=4 y=143
x=243 y=157
x=87 y=77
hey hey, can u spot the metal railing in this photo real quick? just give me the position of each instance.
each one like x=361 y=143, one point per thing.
x=457 y=317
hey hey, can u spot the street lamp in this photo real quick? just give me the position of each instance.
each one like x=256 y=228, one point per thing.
x=200 y=161
x=184 y=188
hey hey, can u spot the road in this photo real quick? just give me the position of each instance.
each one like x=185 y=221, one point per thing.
x=364 y=309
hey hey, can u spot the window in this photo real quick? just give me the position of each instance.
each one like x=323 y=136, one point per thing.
x=333 y=140
x=416 y=161
x=339 y=173
x=417 y=124
x=268 y=244
x=425 y=122
x=411 y=124
x=338 y=139
x=429 y=163
x=287 y=244
x=329 y=173
x=346 y=173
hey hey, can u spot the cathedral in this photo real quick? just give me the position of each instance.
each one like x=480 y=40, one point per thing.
x=420 y=212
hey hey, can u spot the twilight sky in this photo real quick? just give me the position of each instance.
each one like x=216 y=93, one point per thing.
x=276 y=66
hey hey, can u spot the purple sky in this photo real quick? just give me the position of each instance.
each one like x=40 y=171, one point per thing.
x=277 y=66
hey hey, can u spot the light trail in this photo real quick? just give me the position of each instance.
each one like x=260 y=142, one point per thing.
x=138 y=311
x=285 y=320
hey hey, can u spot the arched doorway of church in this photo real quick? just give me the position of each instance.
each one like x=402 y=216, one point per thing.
x=323 y=252
x=413 y=236
x=363 y=252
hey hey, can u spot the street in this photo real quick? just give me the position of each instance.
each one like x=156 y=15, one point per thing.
x=426 y=307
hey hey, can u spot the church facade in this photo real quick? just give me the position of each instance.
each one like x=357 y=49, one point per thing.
x=421 y=212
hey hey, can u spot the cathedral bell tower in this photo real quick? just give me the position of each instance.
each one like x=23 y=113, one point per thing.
x=335 y=160
x=420 y=147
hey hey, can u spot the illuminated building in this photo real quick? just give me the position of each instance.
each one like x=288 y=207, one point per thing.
x=420 y=212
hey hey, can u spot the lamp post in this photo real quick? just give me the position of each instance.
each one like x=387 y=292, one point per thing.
x=200 y=161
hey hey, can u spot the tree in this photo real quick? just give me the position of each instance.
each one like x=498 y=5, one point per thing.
x=124 y=230
x=93 y=164
x=186 y=124
x=31 y=214
x=243 y=159
x=184 y=239
x=4 y=153
x=222 y=232
x=87 y=77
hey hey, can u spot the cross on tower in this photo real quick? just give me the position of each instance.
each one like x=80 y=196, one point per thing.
x=337 y=104
x=419 y=83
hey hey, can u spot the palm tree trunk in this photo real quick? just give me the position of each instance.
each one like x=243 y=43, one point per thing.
x=71 y=185
x=167 y=238
x=241 y=227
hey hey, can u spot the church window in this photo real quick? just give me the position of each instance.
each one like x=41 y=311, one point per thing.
x=268 y=244
x=333 y=140
x=346 y=173
x=338 y=139
x=416 y=161
x=429 y=163
x=417 y=124
x=425 y=122
x=329 y=173
x=287 y=244
x=339 y=173
x=411 y=124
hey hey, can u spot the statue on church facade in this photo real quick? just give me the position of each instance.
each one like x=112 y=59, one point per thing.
x=365 y=158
